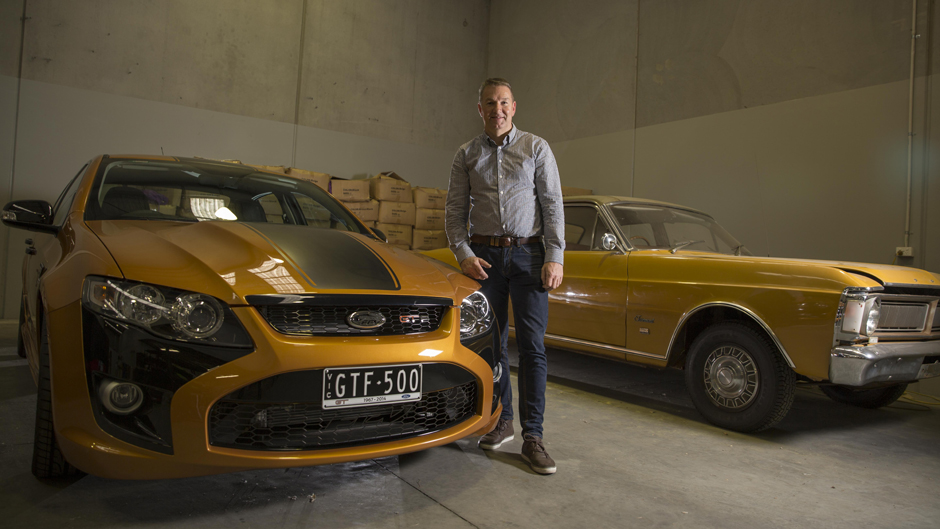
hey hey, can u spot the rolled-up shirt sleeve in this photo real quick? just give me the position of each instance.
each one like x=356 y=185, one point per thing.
x=548 y=190
x=457 y=208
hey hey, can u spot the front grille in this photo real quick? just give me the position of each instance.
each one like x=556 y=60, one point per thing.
x=306 y=426
x=304 y=320
x=902 y=317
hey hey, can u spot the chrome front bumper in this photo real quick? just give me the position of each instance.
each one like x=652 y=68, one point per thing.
x=860 y=365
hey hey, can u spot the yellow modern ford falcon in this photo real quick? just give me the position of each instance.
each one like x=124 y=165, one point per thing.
x=184 y=317
x=664 y=285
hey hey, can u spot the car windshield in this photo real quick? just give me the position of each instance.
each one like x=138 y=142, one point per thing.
x=650 y=226
x=195 y=190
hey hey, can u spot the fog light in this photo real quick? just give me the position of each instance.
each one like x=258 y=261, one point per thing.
x=121 y=398
x=497 y=372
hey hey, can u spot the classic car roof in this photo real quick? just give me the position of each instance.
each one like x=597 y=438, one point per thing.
x=611 y=199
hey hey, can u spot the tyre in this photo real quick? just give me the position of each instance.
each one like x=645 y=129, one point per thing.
x=864 y=398
x=737 y=379
x=48 y=461
x=20 y=347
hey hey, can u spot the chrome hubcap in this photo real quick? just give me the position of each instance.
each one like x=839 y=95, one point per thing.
x=730 y=377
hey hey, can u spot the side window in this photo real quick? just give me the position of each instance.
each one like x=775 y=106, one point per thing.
x=579 y=227
x=64 y=203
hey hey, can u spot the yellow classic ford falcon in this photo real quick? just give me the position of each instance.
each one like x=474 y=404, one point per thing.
x=665 y=285
x=184 y=317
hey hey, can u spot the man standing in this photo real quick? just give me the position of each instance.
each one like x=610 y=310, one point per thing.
x=504 y=187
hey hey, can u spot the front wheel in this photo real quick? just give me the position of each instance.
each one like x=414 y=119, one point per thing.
x=864 y=398
x=48 y=461
x=737 y=379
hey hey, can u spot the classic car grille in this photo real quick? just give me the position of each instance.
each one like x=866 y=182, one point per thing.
x=902 y=317
x=331 y=321
x=306 y=426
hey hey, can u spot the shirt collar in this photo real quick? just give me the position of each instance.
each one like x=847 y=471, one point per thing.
x=506 y=141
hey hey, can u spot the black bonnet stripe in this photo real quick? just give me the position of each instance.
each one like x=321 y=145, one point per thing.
x=332 y=259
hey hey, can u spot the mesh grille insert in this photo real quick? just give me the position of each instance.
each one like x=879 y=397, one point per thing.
x=306 y=426
x=332 y=321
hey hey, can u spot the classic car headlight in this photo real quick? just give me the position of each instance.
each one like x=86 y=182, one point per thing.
x=859 y=312
x=167 y=312
x=475 y=316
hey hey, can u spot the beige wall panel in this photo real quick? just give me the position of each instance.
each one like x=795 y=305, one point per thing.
x=930 y=227
x=352 y=156
x=234 y=56
x=603 y=164
x=571 y=64
x=402 y=70
x=821 y=177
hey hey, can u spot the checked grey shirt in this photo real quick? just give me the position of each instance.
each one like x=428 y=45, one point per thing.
x=508 y=190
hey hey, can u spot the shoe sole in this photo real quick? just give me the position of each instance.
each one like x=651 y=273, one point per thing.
x=539 y=470
x=486 y=446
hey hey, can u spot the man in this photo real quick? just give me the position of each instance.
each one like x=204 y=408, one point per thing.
x=505 y=223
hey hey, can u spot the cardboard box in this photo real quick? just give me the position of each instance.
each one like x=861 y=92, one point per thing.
x=349 y=190
x=272 y=168
x=321 y=179
x=390 y=186
x=396 y=233
x=429 y=197
x=366 y=211
x=401 y=246
x=568 y=191
x=429 y=239
x=397 y=213
x=429 y=219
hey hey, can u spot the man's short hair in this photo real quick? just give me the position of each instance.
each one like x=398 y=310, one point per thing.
x=495 y=81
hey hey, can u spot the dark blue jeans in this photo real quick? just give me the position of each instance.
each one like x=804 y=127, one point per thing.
x=516 y=274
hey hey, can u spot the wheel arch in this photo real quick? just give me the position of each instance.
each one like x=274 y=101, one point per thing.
x=695 y=321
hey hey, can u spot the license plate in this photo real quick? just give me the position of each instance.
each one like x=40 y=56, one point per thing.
x=929 y=370
x=368 y=386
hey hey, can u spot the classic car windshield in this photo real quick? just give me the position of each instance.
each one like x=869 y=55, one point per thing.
x=202 y=190
x=649 y=226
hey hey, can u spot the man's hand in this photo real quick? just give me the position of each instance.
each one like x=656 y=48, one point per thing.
x=552 y=274
x=473 y=267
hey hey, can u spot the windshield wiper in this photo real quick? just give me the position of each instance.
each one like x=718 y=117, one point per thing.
x=737 y=249
x=679 y=245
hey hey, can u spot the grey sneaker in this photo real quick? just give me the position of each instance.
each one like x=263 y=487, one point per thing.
x=533 y=452
x=501 y=434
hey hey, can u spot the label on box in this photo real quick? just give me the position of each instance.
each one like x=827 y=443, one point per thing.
x=429 y=239
x=384 y=187
x=350 y=190
x=366 y=211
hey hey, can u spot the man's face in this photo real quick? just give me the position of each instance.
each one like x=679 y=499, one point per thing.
x=497 y=108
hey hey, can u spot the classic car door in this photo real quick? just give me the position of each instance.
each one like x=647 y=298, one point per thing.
x=590 y=304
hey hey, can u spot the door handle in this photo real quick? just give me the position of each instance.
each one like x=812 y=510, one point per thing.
x=31 y=250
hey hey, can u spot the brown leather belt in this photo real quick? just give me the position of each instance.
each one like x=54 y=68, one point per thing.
x=502 y=242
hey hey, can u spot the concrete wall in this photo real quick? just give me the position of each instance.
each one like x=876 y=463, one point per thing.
x=785 y=120
x=344 y=87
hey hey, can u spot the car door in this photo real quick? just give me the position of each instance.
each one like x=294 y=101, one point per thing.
x=590 y=304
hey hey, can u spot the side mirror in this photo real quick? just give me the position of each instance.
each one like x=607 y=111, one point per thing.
x=32 y=215
x=380 y=234
x=609 y=242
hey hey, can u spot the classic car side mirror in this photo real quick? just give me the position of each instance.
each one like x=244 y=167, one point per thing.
x=32 y=215
x=609 y=242
x=380 y=234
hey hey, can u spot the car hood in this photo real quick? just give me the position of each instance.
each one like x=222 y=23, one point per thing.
x=233 y=260
x=863 y=274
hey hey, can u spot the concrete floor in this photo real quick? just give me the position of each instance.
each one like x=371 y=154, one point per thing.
x=631 y=452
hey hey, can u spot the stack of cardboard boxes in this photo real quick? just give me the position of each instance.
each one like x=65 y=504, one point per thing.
x=429 y=218
x=396 y=210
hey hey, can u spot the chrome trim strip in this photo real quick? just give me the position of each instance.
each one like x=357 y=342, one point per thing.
x=746 y=311
x=912 y=285
x=597 y=345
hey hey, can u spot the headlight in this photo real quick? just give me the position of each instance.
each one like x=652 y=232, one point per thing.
x=858 y=314
x=167 y=312
x=475 y=316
